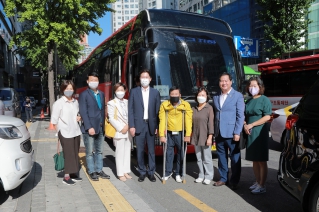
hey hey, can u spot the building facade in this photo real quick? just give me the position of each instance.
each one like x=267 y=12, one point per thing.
x=9 y=61
x=313 y=29
x=87 y=49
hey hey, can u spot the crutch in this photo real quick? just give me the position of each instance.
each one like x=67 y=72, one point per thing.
x=165 y=149
x=185 y=150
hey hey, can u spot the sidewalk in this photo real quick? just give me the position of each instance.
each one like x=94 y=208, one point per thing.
x=43 y=190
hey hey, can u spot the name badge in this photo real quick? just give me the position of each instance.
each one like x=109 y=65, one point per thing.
x=175 y=133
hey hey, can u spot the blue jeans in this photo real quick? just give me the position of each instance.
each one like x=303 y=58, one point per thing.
x=172 y=141
x=29 y=115
x=223 y=145
x=94 y=161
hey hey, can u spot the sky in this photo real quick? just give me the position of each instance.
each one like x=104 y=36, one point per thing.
x=105 y=23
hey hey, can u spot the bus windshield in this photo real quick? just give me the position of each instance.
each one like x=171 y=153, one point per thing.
x=191 y=59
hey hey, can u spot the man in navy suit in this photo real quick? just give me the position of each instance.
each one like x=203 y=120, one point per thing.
x=229 y=109
x=92 y=111
x=143 y=106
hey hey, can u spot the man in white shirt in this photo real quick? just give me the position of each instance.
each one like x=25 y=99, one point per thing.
x=143 y=107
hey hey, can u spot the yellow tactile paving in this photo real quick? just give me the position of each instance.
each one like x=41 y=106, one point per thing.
x=28 y=124
x=109 y=195
x=194 y=201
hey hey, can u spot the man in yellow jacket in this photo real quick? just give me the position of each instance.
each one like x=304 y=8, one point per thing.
x=175 y=107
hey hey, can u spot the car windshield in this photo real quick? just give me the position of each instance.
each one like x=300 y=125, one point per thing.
x=190 y=59
x=5 y=95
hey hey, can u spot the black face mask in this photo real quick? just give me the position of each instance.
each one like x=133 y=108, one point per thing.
x=174 y=99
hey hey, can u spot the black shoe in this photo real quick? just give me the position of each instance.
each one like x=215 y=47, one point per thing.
x=93 y=176
x=68 y=182
x=141 y=178
x=233 y=187
x=152 y=178
x=103 y=175
x=76 y=179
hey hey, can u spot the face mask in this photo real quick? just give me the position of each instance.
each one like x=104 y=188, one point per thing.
x=28 y=100
x=254 y=91
x=145 y=82
x=205 y=83
x=68 y=93
x=120 y=94
x=201 y=99
x=93 y=85
x=174 y=99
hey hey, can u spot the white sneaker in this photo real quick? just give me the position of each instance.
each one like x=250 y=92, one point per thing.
x=259 y=190
x=166 y=178
x=253 y=186
x=206 y=182
x=199 y=180
x=178 y=179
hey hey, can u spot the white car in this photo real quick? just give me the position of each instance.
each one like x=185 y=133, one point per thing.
x=277 y=127
x=16 y=152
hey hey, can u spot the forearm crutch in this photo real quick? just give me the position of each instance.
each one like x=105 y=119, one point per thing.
x=164 y=149
x=185 y=150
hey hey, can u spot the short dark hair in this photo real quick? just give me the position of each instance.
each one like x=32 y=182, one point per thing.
x=173 y=88
x=200 y=90
x=93 y=74
x=259 y=83
x=117 y=85
x=224 y=74
x=65 y=84
x=144 y=71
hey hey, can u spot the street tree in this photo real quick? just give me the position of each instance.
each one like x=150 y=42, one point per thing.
x=286 y=24
x=54 y=23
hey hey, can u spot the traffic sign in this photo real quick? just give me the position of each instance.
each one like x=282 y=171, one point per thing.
x=248 y=47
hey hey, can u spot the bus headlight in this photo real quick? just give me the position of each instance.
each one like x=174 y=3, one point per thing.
x=10 y=132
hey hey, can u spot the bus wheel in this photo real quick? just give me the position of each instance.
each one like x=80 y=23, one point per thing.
x=314 y=199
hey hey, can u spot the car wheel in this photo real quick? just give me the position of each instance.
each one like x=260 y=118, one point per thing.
x=314 y=199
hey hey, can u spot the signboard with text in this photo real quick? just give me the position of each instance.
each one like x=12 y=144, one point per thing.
x=248 y=47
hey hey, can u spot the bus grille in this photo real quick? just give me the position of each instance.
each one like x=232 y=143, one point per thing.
x=26 y=146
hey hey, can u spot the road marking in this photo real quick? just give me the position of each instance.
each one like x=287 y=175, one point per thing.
x=109 y=195
x=28 y=124
x=194 y=201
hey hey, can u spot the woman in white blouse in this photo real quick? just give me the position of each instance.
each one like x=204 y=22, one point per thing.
x=65 y=119
x=118 y=117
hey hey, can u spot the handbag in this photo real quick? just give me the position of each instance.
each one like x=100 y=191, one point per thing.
x=108 y=128
x=58 y=159
x=242 y=140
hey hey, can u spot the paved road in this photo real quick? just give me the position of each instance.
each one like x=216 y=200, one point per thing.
x=44 y=191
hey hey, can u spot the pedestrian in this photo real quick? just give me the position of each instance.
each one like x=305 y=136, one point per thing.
x=202 y=136
x=44 y=104
x=143 y=107
x=229 y=117
x=65 y=119
x=257 y=113
x=92 y=111
x=174 y=108
x=1 y=107
x=28 y=109
x=118 y=117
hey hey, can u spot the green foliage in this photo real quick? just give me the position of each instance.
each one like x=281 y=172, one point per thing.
x=286 y=24
x=60 y=22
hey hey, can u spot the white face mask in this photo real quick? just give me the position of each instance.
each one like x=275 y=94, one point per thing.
x=201 y=99
x=205 y=83
x=68 y=93
x=254 y=91
x=93 y=85
x=145 y=82
x=120 y=94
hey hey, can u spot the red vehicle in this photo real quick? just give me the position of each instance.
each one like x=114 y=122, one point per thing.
x=179 y=48
x=286 y=81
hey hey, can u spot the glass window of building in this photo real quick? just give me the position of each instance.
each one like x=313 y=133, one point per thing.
x=127 y=12
x=119 y=11
x=195 y=7
x=149 y=4
x=153 y=3
x=205 y=2
x=126 y=1
x=132 y=6
x=118 y=6
x=127 y=18
x=126 y=6
x=136 y=5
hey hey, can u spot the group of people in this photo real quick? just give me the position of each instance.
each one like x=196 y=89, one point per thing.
x=143 y=117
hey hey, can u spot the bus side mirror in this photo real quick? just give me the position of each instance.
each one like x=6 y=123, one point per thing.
x=144 y=59
x=239 y=56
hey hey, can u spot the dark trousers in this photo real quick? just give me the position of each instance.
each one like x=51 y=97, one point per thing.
x=29 y=115
x=71 y=148
x=223 y=145
x=172 y=141
x=140 y=145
